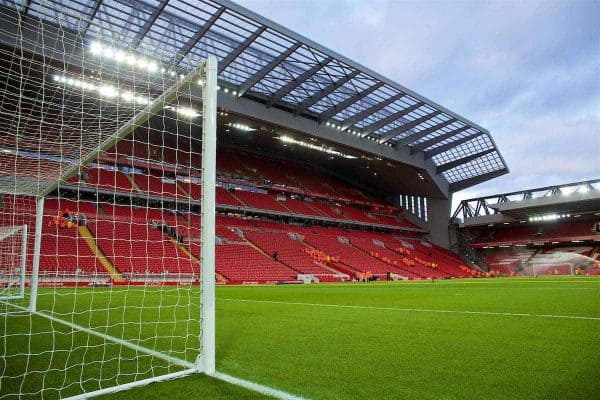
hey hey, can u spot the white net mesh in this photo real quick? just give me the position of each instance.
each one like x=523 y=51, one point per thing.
x=112 y=141
x=12 y=261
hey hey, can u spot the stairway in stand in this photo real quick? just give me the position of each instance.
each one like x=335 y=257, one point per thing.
x=86 y=234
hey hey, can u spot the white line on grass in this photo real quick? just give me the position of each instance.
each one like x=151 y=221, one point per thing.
x=256 y=387
x=414 y=309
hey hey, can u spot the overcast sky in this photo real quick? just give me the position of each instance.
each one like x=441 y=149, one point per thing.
x=529 y=72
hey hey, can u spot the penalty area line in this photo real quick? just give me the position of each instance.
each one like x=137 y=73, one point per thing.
x=423 y=310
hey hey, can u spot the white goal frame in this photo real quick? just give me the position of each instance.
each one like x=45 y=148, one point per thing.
x=205 y=362
x=535 y=269
x=23 y=261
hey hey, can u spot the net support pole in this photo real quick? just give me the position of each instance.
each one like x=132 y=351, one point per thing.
x=206 y=361
x=23 y=260
x=37 y=245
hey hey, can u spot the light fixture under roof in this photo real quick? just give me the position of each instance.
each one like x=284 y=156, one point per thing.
x=321 y=148
x=241 y=127
x=548 y=217
x=109 y=92
x=119 y=56
x=187 y=112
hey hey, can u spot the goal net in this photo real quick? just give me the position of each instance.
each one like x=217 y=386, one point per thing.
x=107 y=155
x=13 y=256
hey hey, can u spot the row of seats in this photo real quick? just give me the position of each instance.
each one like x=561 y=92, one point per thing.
x=558 y=231
x=182 y=151
x=243 y=263
x=288 y=251
x=139 y=240
x=115 y=180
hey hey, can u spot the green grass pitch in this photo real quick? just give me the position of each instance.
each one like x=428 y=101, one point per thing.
x=458 y=339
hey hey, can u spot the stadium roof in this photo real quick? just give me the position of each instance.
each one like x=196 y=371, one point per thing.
x=541 y=204
x=267 y=63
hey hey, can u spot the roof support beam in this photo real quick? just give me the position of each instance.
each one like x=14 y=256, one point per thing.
x=189 y=45
x=465 y=183
x=448 y=146
x=26 y=7
x=407 y=126
x=440 y=138
x=91 y=18
x=224 y=63
x=294 y=83
x=258 y=75
x=316 y=97
x=452 y=164
x=148 y=24
x=370 y=111
x=348 y=102
x=421 y=134
x=390 y=118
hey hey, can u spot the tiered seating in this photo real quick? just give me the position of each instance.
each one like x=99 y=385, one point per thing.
x=156 y=186
x=354 y=214
x=139 y=249
x=243 y=263
x=325 y=210
x=301 y=207
x=308 y=182
x=291 y=252
x=224 y=197
x=260 y=201
x=109 y=180
x=342 y=189
x=386 y=219
x=412 y=272
x=570 y=230
x=134 y=246
x=327 y=241
x=139 y=214
x=566 y=231
x=71 y=206
x=64 y=252
x=268 y=169
x=446 y=261
x=228 y=162
x=129 y=239
x=157 y=183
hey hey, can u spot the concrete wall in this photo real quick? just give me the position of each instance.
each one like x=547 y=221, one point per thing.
x=439 y=215
x=437 y=225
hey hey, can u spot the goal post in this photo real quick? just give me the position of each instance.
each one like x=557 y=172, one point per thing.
x=109 y=158
x=13 y=257
x=206 y=361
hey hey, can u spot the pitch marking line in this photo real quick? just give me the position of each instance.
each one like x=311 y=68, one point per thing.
x=256 y=387
x=415 y=309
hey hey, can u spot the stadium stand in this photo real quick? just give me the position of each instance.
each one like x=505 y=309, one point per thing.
x=128 y=239
x=288 y=251
x=109 y=180
x=262 y=201
x=301 y=207
x=243 y=263
x=123 y=240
